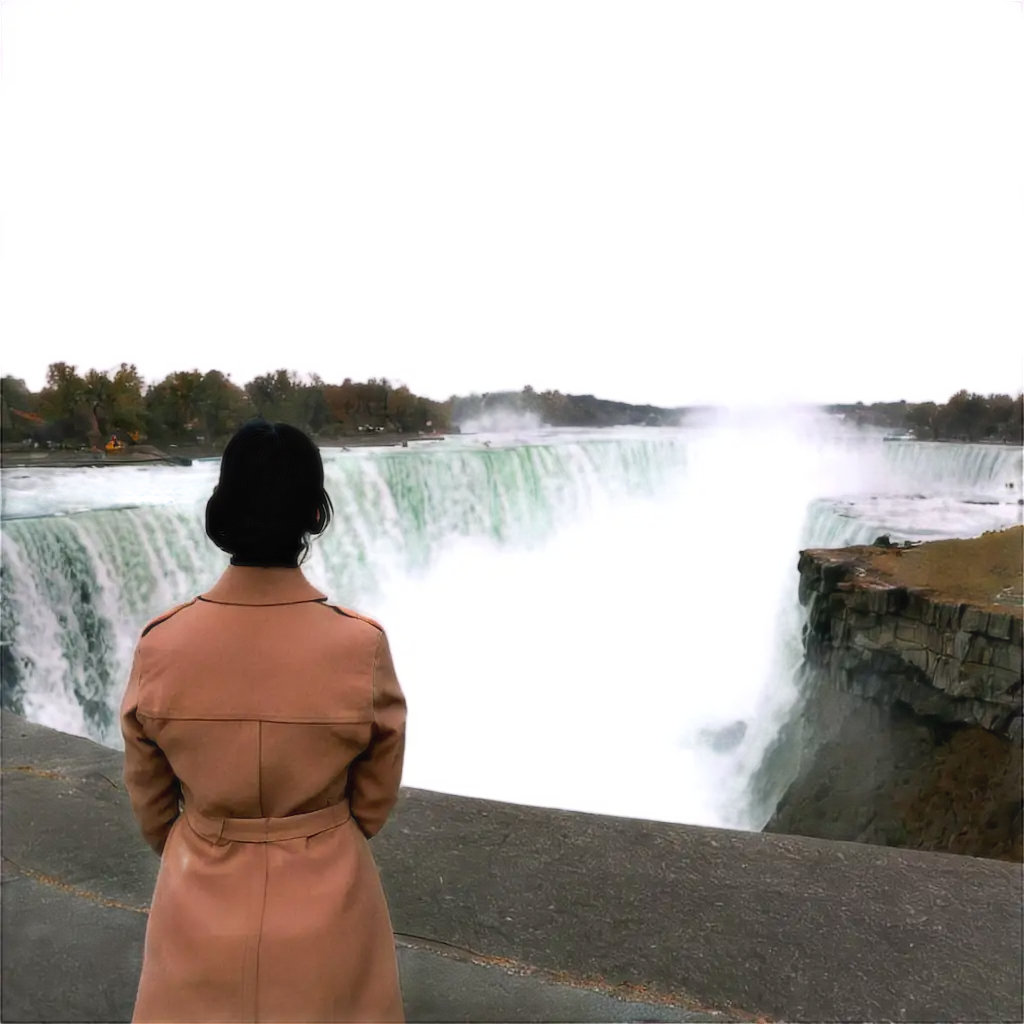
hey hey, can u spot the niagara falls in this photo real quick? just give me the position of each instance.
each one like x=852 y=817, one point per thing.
x=625 y=600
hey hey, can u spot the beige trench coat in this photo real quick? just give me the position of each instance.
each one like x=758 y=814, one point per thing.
x=264 y=731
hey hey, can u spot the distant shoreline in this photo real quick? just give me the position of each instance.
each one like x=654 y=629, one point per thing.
x=19 y=457
x=382 y=440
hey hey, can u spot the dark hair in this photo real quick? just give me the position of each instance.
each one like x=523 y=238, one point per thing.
x=270 y=497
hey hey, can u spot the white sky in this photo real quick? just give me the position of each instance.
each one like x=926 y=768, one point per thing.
x=667 y=202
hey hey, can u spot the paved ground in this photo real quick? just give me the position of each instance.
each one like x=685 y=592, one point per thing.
x=673 y=917
x=68 y=957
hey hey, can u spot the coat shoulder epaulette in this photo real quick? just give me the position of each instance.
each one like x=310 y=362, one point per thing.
x=348 y=613
x=166 y=615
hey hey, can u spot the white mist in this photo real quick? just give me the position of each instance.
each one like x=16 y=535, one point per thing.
x=594 y=672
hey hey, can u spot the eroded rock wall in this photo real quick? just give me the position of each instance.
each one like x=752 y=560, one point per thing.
x=913 y=718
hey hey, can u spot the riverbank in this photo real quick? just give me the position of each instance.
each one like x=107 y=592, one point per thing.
x=911 y=732
x=20 y=457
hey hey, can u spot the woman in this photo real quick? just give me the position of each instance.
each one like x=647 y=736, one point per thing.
x=264 y=732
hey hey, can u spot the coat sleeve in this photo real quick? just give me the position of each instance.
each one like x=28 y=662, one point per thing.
x=152 y=787
x=376 y=774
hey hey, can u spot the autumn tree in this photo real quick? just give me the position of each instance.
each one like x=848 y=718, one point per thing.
x=64 y=392
x=276 y=397
x=127 y=399
x=315 y=410
x=64 y=403
x=172 y=405
x=16 y=403
x=341 y=401
x=221 y=405
x=923 y=420
x=99 y=399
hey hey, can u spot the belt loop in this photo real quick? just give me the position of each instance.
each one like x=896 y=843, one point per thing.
x=211 y=829
x=269 y=830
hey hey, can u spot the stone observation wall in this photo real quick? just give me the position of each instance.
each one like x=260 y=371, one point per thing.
x=912 y=729
x=752 y=924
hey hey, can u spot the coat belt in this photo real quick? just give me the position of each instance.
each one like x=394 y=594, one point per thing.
x=268 y=830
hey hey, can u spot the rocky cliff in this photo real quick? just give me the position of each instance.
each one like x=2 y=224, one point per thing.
x=912 y=726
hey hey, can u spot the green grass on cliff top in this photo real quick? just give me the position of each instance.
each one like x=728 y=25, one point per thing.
x=985 y=570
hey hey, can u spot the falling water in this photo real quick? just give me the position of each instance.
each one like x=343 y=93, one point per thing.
x=604 y=622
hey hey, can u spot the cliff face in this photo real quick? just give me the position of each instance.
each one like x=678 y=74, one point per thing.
x=913 y=719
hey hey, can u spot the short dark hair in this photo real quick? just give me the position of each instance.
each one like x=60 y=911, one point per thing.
x=270 y=498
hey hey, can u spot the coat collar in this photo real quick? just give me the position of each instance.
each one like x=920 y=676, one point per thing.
x=243 y=584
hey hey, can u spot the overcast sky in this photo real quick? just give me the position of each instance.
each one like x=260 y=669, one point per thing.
x=655 y=202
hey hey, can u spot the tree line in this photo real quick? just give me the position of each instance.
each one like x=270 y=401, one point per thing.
x=967 y=416
x=558 y=410
x=76 y=409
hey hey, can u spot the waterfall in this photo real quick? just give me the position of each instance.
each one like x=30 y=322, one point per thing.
x=597 y=621
x=975 y=469
x=77 y=588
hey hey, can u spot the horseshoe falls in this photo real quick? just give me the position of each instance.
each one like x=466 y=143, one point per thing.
x=600 y=621
x=90 y=555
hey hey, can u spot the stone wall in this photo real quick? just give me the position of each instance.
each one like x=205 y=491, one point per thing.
x=912 y=727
